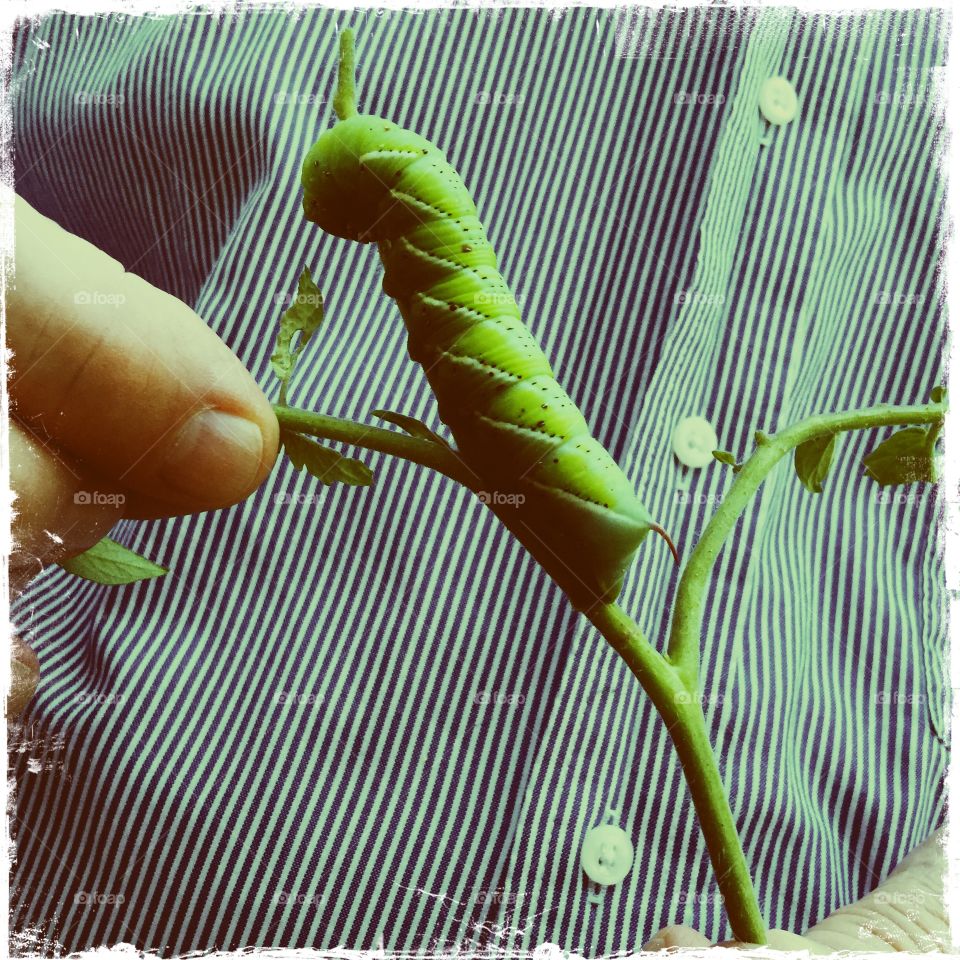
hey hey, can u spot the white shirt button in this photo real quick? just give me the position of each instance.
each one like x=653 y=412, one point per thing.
x=607 y=854
x=778 y=101
x=694 y=441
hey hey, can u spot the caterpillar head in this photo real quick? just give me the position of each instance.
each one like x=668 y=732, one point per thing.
x=342 y=193
x=330 y=172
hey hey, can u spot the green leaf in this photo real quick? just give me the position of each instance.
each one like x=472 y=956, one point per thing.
x=304 y=316
x=724 y=456
x=323 y=463
x=938 y=394
x=416 y=428
x=903 y=458
x=812 y=461
x=110 y=562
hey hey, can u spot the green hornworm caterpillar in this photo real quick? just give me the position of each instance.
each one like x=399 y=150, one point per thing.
x=557 y=489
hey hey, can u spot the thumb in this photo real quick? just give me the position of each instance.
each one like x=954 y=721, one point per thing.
x=128 y=380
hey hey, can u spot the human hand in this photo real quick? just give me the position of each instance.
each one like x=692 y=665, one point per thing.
x=905 y=913
x=123 y=404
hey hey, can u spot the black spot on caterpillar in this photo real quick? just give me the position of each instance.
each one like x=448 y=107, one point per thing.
x=556 y=488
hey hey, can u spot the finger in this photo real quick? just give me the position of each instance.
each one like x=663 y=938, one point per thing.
x=676 y=936
x=56 y=514
x=129 y=380
x=24 y=677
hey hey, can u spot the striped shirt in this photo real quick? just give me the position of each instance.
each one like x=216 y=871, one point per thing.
x=363 y=716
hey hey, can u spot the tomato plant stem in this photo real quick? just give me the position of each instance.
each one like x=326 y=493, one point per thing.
x=683 y=649
x=679 y=706
x=673 y=680
x=436 y=456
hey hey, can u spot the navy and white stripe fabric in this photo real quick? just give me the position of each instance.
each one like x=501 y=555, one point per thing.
x=362 y=716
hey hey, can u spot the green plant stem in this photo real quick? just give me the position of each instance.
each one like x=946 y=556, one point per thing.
x=672 y=680
x=683 y=649
x=424 y=452
x=680 y=708
x=932 y=434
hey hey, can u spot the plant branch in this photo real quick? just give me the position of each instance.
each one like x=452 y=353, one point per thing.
x=932 y=434
x=681 y=711
x=424 y=452
x=685 y=634
x=671 y=681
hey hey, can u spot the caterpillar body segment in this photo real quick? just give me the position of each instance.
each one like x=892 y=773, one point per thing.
x=556 y=488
